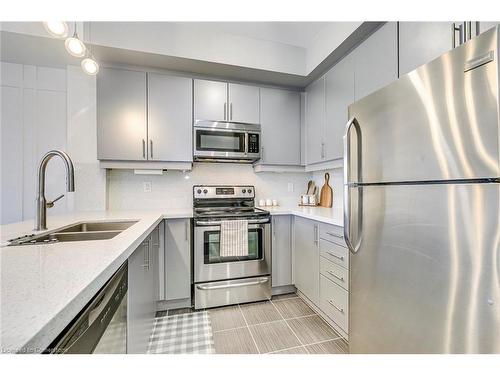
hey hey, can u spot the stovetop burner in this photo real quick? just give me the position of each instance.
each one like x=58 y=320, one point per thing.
x=216 y=201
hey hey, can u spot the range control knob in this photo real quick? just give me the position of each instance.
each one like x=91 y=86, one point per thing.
x=205 y=191
x=243 y=191
x=249 y=191
x=198 y=191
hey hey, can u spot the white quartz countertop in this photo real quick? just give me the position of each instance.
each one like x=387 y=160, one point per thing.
x=43 y=287
x=322 y=214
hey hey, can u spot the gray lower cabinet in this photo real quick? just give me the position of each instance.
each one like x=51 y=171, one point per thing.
x=376 y=61
x=307 y=258
x=485 y=26
x=178 y=259
x=142 y=284
x=170 y=118
x=339 y=94
x=121 y=115
x=422 y=42
x=315 y=121
x=280 y=126
x=281 y=251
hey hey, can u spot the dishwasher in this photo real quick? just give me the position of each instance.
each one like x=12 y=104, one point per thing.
x=101 y=327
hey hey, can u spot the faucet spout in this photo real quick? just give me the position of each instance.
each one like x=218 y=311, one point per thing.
x=41 y=203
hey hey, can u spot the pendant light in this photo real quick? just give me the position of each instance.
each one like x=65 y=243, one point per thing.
x=89 y=64
x=75 y=46
x=58 y=29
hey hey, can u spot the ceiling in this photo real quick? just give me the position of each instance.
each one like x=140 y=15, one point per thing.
x=299 y=34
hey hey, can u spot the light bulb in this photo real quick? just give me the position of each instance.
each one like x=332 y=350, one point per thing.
x=75 y=47
x=58 y=29
x=90 y=66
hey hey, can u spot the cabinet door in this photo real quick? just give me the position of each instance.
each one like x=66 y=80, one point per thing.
x=244 y=103
x=422 y=42
x=307 y=258
x=121 y=115
x=280 y=126
x=339 y=95
x=138 y=307
x=315 y=121
x=170 y=118
x=282 y=251
x=210 y=100
x=178 y=259
x=376 y=61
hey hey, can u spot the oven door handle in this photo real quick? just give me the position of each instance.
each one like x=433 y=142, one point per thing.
x=217 y=223
x=262 y=280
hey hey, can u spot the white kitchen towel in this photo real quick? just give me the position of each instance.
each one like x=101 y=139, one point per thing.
x=234 y=238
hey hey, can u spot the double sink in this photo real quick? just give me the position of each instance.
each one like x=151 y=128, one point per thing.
x=85 y=231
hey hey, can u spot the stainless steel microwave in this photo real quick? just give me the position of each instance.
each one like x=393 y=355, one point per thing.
x=218 y=141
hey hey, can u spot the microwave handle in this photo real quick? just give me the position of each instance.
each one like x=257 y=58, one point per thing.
x=246 y=143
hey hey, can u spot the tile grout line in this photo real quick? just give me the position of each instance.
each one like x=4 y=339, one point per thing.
x=288 y=325
x=249 y=330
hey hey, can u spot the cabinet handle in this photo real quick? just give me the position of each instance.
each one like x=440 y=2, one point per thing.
x=186 y=226
x=337 y=277
x=316 y=234
x=230 y=111
x=151 y=147
x=338 y=308
x=143 y=149
x=335 y=255
x=146 y=255
x=334 y=235
x=225 y=105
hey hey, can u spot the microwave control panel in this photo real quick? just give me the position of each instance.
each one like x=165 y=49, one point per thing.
x=253 y=143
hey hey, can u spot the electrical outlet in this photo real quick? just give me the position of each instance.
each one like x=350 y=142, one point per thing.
x=147 y=186
x=290 y=187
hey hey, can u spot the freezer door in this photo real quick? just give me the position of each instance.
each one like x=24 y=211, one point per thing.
x=426 y=277
x=438 y=122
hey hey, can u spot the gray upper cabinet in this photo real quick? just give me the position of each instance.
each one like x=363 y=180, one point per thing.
x=280 y=126
x=339 y=95
x=210 y=100
x=121 y=115
x=315 y=121
x=170 y=118
x=177 y=259
x=244 y=103
x=282 y=251
x=421 y=42
x=376 y=61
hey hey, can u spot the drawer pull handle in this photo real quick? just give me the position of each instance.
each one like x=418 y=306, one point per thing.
x=338 y=308
x=337 y=277
x=335 y=255
x=335 y=235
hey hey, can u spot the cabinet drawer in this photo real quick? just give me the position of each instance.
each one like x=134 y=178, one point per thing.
x=332 y=233
x=339 y=275
x=334 y=302
x=334 y=252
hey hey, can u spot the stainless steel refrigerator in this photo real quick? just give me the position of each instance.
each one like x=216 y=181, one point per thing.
x=422 y=207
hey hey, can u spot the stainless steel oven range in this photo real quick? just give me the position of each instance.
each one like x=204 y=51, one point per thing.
x=225 y=280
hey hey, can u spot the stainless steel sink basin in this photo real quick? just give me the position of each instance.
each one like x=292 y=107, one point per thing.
x=98 y=226
x=86 y=231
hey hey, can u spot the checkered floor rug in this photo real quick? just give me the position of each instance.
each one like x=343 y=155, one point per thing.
x=182 y=334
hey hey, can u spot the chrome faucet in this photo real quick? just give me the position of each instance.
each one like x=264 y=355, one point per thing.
x=41 y=203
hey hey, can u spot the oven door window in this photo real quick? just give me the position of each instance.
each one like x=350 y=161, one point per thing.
x=212 y=140
x=211 y=246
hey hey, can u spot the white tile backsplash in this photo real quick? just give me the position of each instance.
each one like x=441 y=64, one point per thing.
x=174 y=190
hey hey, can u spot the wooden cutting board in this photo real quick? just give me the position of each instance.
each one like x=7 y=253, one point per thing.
x=326 y=195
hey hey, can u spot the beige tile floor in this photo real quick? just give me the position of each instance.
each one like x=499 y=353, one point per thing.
x=284 y=325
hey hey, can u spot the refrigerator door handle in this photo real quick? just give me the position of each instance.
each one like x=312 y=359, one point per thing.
x=347 y=177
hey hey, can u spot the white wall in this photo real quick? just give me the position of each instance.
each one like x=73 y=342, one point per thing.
x=43 y=109
x=336 y=182
x=173 y=190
